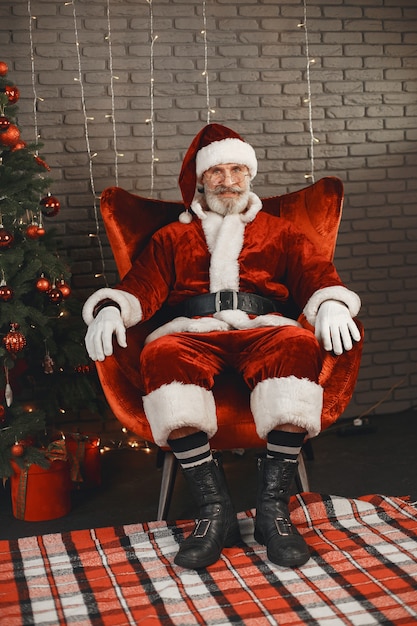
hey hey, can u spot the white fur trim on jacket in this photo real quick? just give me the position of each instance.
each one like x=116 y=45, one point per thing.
x=224 y=237
x=225 y=247
x=188 y=324
x=224 y=320
x=253 y=208
x=130 y=308
x=337 y=292
x=289 y=400
x=239 y=320
x=177 y=405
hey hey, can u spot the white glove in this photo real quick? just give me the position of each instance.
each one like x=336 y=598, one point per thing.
x=99 y=337
x=335 y=327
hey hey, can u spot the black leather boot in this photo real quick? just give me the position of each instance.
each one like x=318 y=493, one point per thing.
x=273 y=527
x=216 y=527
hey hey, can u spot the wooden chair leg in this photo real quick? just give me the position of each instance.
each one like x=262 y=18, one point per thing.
x=301 y=478
x=308 y=450
x=169 y=472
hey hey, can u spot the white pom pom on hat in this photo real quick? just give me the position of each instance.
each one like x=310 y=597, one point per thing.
x=185 y=217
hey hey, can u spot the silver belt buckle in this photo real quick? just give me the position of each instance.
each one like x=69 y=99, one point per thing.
x=218 y=299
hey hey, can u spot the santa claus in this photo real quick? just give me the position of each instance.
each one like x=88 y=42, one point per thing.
x=228 y=270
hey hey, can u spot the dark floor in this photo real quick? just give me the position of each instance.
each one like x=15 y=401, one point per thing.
x=380 y=459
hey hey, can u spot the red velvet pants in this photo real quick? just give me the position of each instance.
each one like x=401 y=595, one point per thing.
x=258 y=354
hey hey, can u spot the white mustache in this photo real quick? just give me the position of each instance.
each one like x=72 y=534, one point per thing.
x=224 y=189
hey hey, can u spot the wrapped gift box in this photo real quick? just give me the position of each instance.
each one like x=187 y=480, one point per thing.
x=40 y=494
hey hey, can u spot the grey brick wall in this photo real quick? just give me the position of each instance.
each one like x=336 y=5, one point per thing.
x=363 y=86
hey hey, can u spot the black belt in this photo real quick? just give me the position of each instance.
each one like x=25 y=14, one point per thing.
x=209 y=303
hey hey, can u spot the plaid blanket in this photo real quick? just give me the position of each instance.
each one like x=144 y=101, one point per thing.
x=363 y=571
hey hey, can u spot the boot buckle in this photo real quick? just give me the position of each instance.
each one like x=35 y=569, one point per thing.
x=202 y=528
x=284 y=526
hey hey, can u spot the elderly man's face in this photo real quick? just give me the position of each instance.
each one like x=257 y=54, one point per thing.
x=227 y=188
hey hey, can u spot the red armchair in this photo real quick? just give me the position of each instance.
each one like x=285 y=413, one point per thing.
x=130 y=221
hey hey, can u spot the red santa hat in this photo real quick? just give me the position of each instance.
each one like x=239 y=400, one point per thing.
x=213 y=145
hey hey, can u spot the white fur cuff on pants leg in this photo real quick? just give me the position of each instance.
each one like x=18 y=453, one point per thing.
x=177 y=405
x=278 y=401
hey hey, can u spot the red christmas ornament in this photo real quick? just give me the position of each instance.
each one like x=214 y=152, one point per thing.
x=41 y=162
x=17 y=449
x=43 y=284
x=14 y=341
x=11 y=136
x=3 y=68
x=41 y=231
x=2 y=413
x=32 y=231
x=64 y=289
x=4 y=123
x=85 y=368
x=6 y=293
x=12 y=93
x=18 y=146
x=6 y=238
x=55 y=295
x=50 y=205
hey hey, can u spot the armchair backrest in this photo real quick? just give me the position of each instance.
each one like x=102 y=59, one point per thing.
x=130 y=220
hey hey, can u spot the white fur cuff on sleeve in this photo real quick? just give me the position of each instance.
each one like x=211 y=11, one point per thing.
x=337 y=292
x=130 y=308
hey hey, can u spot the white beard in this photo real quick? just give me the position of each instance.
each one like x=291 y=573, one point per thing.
x=227 y=206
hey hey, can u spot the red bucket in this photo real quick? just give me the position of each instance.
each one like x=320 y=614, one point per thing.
x=40 y=494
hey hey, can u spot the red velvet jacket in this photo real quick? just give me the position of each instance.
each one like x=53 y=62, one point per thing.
x=267 y=256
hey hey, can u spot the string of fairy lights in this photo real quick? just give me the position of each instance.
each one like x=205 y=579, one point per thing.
x=205 y=71
x=36 y=97
x=308 y=100
x=90 y=154
x=113 y=78
x=33 y=73
x=150 y=120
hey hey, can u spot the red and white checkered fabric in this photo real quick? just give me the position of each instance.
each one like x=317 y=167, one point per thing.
x=363 y=571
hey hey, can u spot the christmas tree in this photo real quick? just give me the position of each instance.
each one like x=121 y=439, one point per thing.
x=45 y=369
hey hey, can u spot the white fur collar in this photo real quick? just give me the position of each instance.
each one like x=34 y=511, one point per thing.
x=224 y=236
x=253 y=208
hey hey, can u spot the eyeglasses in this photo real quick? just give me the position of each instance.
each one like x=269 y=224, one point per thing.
x=219 y=173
